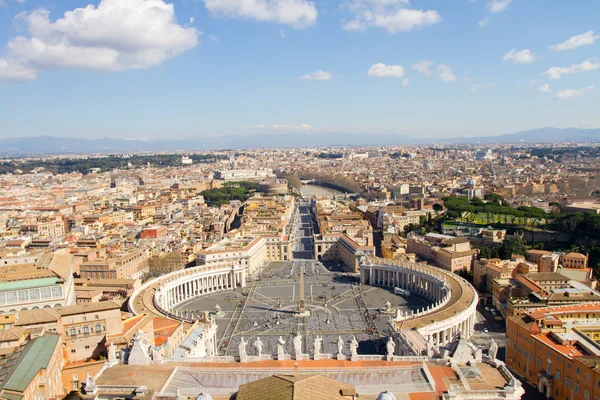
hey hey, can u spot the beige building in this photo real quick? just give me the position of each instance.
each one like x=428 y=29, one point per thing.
x=447 y=252
x=83 y=327
x=130 y=265
x=49 y=229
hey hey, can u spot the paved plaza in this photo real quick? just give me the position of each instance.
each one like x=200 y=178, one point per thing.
x=266 y=308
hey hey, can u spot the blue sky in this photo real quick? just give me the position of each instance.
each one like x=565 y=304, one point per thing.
x=154 y=69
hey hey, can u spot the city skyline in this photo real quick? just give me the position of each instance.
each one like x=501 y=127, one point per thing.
x=214 y=68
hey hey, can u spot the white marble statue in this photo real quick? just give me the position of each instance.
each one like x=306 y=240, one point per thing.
x=298 y=345
x=258 y=346
x=280 y=348
x=112 y=354
x=493 y=349
x=340 y=344
x=390 y=347
x=242 y=349
x=353 y=347
x=318 y=341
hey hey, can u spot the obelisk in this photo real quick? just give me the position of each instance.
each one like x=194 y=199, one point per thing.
x=302 y=312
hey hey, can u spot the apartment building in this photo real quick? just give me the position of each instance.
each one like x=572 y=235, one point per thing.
x=573 y=265
x=33 y=370
x=129 y=265
x=447 y=252
x=44 y=229
x=83 y=327
x=556 y=349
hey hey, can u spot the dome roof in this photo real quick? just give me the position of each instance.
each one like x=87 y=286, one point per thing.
x=386 y=396
x=204 y=396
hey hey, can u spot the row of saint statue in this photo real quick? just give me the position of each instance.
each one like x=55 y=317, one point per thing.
x=318 y=341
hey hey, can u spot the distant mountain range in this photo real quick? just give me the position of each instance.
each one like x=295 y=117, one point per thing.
x=63 y=145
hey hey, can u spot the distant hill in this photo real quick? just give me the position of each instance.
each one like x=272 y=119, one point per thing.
x=62 y=145
x=540 y=135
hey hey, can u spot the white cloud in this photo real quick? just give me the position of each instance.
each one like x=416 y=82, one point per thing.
x=478 y=86
x=381 y=70
x=282 y=33
x=21 y=1
x=558 y=72
x=214 y=38
x=192 y=20
x=423 y=67
x=483 y=22
x=114 y=36
x=391 y=15
x=574 y=42
x=445 y=73
x=317 y=76
x=497 y=6
x=296 y=13
x=301 y=127
x=515 y=56
x=571 y=93
x=405 y=82
x=11 y=71
x=545 y=88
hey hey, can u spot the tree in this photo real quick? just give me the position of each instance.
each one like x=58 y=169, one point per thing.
x=409 y=228
x=477 y=202
x=465 y=273
x=494 y=198
x=512 y=244
x=438 y=208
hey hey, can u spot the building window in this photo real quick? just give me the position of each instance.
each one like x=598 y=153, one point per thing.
x=86 y=330
x=73 y=351
x=538 y=362
x=586 y=394
x=72 y=331
x=568 y=382
x=578 y=370
x=557 y=374
x=576 y=387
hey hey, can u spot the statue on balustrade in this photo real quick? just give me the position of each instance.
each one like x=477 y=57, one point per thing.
x=340 y=344
x=258 y=346
x=280 y=348
x=242 y=349
x=390 y=347
x=354 y=347
x=298 y=345
x=318 y=342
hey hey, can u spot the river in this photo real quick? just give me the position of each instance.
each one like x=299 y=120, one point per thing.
x=320 y=191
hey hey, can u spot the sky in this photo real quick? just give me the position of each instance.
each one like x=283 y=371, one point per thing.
x=154 y=69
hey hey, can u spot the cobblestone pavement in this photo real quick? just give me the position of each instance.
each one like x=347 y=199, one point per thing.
x=338 y=305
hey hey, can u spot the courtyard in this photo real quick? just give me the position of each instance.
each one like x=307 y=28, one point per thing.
x=267 y=309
